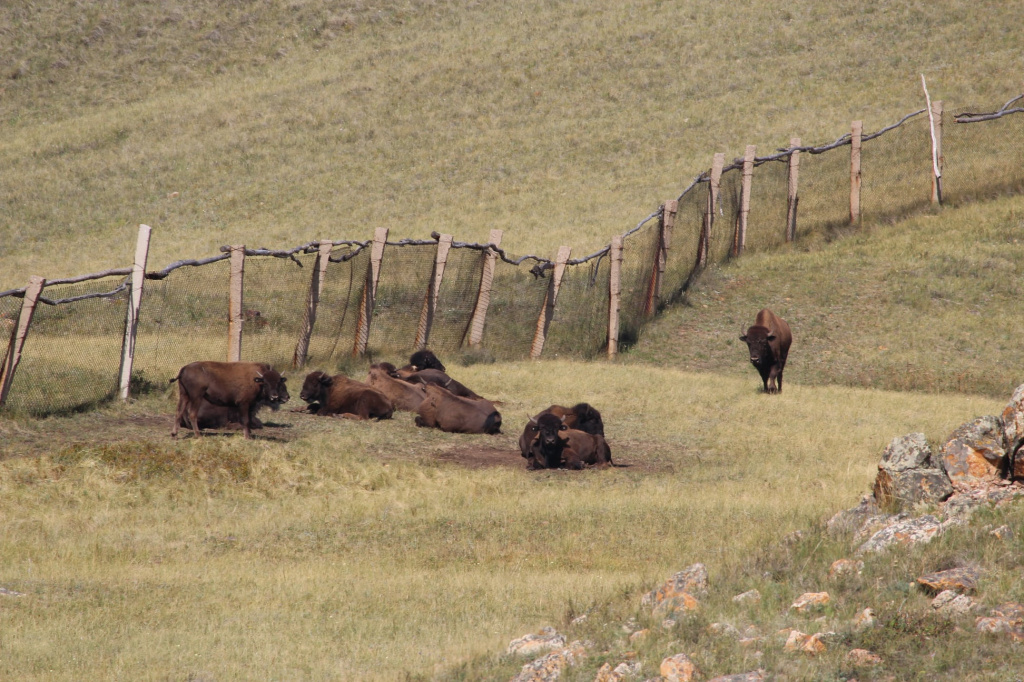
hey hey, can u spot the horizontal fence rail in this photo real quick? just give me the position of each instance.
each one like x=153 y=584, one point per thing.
x=94 y=338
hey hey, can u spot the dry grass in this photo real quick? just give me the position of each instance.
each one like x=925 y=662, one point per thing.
x=351 y=551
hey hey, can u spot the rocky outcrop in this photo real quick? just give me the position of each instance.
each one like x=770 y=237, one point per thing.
x=1005 y=619
x=677 y=594
x=528 y=645
x=906 y=474
x=974 y=453
x=903 y=531
x=549 y=668
x=960 y=580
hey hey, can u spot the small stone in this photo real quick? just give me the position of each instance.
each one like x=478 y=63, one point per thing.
x=545 y=640
x=748 y=597
x=752 y=676
x=678 y=668
x=950 y=604
x=692 y=580
x=804 y=643
x=629 y=668
x=810 y=601
x=668 y=623
x=961 y=580
x=579 y=620
x=10 y=593
x=680 y=603
x=723 y=630
x=606 y=674
x=549 y=668
x=845 y=567
x=639 y=634
x=862 y=658
x=863 y=620
x=1002 y=532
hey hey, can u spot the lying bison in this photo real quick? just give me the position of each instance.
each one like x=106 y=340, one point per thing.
x=439 y=378
x=402 y=394
x=553 y=445
x=768 y=341
x=581 y=416
x=455 y=414
x=245 y=386
x=343 y=396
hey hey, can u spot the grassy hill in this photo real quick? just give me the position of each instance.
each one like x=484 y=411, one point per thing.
x=557 y=122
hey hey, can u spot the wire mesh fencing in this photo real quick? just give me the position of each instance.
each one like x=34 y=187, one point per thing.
x=313 y=306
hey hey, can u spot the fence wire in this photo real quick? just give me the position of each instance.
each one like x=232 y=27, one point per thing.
x=73 y=353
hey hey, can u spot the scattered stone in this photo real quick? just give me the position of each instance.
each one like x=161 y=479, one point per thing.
x=681 y=603
x=961 y=580
x=798 y=642
x=951 y=604
x=750 y=642
x=528 y=645
x=606 y=674
x=752 y=676
x=864 y=620
x=579 y=620
x=810 y=601
x=639 y=634
x=724 y=630
x=1007 y=619
x=873 y=524
x=1002 y=532
x=678 y=668
x=690 y=581
x=842 y=568
x=630 y=626
x=1013 y=433
x=10 y=593
x=748 y=597
x=862 y=658
x=908 y=531
x=851 y=520
x=974 y=453
x=669 y=623
x=549 y=668
x=632 y=667
x=793 y=538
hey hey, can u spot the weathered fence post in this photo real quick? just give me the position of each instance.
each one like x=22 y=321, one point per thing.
x=444 y=245
x=548 y=310
x=18 y=336
x=614 y=296
x=236 y=315
x=740 y=236
x=380 y=238
x=483 y=298
x=936 y=126
x=714 y=185
x=666 y=222
x=793 y=198
x=857 y=131
x=316 y=290
x=131 y=325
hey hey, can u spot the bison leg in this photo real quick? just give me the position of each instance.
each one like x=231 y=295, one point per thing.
x=180 y=413
x=243 y=412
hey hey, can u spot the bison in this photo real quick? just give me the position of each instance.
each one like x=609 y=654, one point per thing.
x=344 y=396
x=424 y=359
x=439 y=378
x=769 y=340
x=402 y=394
x=581 y=416
x=245 y=386
x=455 y=414
x=553 y=445
x=217 y=417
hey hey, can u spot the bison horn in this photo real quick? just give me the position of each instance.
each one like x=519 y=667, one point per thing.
x=532 y=420
x=448 y=383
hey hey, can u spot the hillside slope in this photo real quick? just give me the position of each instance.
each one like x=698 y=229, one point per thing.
x=276 y=124
x=931 y=304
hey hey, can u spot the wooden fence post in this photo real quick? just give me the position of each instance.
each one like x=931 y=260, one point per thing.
x=444 y=245
x=483 y=298
x=937 y=152
x=857 y=132
x=18 y=336
x=380 y=238
x=715 y=184
x=740 y=236
x=793 y=197
x=236 y=315
x=131 y=325
x=316 y=290
x=614 y=296
x=665 y=224
x=548 y=311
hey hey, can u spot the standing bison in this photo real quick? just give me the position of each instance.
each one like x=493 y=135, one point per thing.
x=768 y=341
x=245 y=386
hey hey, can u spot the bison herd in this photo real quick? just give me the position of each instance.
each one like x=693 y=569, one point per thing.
x=215 y=394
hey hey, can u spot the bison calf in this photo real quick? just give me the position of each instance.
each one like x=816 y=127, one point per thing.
x=768 y=341
x=553 y=445
x=245 y=386
x=456 y=414
x=341 y=395
x=581 y=416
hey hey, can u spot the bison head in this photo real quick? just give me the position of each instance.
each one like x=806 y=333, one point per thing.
x=758 y=340
x=314 y=387
x=547 y=430
x=273 y=391
x=425 y=359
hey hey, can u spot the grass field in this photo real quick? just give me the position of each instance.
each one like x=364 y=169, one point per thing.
x=328 y=549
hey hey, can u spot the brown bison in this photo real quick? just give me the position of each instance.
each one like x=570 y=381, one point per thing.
x=217 y=417
x=402 y=394
x=456 y=414
x=581 y=416
x=439 y=378
x=553 y=445
x=245 y=386
x=769 y=340
x=424 y=359
x=341 y=395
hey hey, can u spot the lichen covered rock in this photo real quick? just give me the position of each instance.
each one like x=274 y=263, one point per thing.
x=974 y=453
